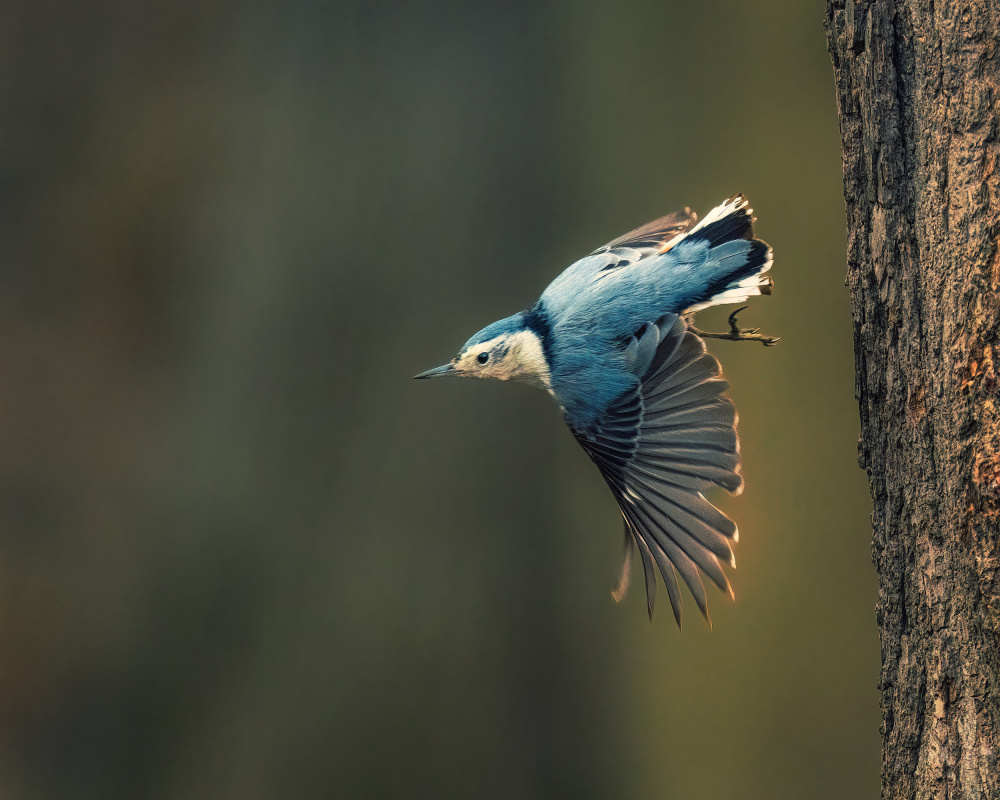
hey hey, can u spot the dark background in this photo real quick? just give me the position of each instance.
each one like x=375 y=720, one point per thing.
x=243 y=555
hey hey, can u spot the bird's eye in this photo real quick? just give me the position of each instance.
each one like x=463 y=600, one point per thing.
x=482 y=358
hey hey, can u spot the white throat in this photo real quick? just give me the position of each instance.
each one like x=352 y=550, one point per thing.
x=527 y=360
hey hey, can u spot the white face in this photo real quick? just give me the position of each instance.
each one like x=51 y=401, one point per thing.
x=510 y=357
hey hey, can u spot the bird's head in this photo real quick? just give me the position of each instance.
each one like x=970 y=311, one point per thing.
x=507 y=350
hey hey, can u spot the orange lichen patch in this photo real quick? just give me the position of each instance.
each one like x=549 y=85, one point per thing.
x=980 y=368
x=986 y=474
x=970 y=377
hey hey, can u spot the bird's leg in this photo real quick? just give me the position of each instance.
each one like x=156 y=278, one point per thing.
x=735 y=334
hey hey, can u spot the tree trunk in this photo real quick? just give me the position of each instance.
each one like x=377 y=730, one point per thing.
x=918 y=95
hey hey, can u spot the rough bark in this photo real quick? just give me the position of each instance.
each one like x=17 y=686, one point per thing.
x=918 y=95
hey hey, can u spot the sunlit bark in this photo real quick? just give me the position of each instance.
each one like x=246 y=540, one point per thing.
x=918 y=94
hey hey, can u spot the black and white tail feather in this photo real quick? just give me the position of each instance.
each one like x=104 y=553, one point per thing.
x=738 y=261
x=736 y=265
x=659 y=446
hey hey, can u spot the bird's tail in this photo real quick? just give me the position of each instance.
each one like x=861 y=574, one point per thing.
x=737 y=262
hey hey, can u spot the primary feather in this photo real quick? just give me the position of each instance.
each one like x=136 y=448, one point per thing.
x=639 y=391
x=660 y=445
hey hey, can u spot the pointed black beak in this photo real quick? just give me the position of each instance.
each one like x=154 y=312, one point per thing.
x=437 y=372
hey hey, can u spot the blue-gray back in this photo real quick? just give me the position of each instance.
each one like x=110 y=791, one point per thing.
x=599 y=302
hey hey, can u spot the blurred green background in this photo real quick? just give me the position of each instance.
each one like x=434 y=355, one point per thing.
x=243 y=555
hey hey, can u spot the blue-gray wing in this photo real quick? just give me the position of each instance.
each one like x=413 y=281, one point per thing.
x=659 y=446
x=645 y=242
x=651 y=238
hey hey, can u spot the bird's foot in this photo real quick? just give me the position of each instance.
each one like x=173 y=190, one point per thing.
x=736 y=333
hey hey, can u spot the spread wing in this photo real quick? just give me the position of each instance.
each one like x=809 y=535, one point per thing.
x=659 y=446
x=654 y=235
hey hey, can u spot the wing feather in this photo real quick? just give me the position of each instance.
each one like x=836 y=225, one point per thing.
x=669 y=578
x=656 y=233
x=659 y=446
x=650 y=575
x=714 y=537
x=618 y=593
x=687 y=568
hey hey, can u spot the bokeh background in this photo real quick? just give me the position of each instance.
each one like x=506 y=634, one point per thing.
x=243 y=555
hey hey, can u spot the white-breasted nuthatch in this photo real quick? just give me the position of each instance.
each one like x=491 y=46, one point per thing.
x=611 y=340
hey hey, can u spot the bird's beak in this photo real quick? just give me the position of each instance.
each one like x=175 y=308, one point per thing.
x=437 y=372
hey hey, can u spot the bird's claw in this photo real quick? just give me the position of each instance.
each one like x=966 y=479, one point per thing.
x=736 y=333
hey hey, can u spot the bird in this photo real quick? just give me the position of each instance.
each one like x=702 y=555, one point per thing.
x=612 y=339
